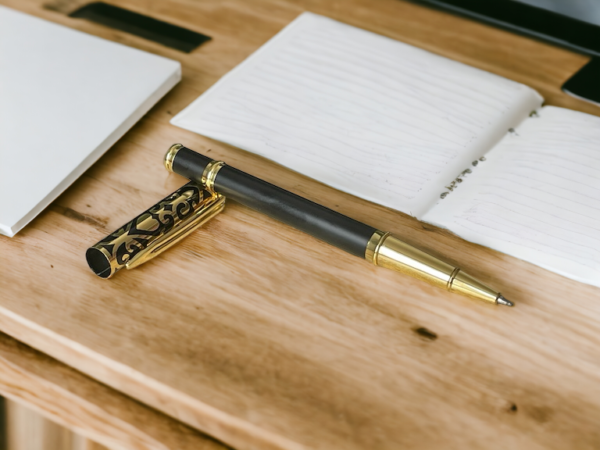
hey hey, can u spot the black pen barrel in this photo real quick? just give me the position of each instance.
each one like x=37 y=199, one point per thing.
x=307 y=216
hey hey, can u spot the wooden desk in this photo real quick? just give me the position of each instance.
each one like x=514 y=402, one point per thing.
x=294 y=345
x=93 y=410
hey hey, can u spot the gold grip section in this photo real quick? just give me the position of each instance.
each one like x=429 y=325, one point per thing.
x=467 y=285
x=386 y=250
x=391 y=253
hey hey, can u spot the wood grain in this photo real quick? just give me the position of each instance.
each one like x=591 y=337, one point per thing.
x=38 y=383
x=28 y=430
x=263 y=337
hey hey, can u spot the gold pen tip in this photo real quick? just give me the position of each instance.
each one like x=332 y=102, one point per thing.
x=502 y=301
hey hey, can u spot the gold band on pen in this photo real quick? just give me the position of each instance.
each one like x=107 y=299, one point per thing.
x=210 y=174
x=452 y=277
x=374 y=245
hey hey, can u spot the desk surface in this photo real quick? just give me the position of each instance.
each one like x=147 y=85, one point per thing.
x=93 y=410
x=293 y=344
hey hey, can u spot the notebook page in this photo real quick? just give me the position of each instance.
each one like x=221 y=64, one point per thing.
x=363 y=113
x=537 y=196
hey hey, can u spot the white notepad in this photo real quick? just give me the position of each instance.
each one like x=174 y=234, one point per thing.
x=65 y=98
x=447 y=143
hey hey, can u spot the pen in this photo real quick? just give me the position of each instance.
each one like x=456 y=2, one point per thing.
x=378 y=247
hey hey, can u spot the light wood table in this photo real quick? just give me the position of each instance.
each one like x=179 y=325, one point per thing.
x=260 y=336
x=87 y=407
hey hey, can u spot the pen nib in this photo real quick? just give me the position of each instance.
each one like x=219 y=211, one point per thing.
x=502 y=301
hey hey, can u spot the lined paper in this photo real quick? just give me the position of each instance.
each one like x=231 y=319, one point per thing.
x=537 y=196
x=363 y=113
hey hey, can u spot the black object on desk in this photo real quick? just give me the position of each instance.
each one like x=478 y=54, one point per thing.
x=585 y=84
x=131 y=22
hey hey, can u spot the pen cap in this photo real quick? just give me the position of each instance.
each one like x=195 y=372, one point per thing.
x=155 y=230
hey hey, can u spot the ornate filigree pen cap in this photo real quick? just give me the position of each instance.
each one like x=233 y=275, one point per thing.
x=155 y=230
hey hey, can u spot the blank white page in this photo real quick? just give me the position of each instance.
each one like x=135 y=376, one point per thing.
x=65 y=98
x=363 y=113
x=537 y=196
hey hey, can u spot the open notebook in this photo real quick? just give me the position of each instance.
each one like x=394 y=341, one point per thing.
x=447 y=143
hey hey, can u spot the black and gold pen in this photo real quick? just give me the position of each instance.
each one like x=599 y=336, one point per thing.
x=379 y=247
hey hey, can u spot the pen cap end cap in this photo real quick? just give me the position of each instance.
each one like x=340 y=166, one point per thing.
x=98 y=262
x=170 y=156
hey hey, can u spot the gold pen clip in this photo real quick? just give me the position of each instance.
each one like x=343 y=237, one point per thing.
x=155 y=230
